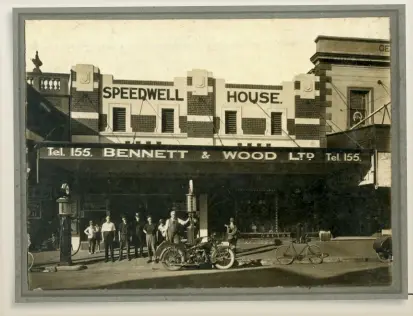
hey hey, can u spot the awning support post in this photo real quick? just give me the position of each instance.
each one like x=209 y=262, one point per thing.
x=203 y=215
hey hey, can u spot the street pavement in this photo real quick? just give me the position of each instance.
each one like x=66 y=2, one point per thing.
x=256 y=268
x=336 y=251
x=137 y=274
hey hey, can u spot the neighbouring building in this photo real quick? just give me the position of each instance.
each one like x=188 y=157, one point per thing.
x=269 y=155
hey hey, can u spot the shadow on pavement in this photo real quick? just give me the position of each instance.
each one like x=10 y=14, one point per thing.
x=264 y=277
x=254 y=251
x=251 y=249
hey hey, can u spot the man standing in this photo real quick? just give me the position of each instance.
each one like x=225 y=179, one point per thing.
x=139 y=235
x=232 y=232
x=108 y=232
x=150 y=230
x=172 y=227
x=124 y=238
x=91 y=237
x=160 y=233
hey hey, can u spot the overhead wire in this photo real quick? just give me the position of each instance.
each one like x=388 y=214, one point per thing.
x=159 y=116
x=281 y=126
x=213 y=124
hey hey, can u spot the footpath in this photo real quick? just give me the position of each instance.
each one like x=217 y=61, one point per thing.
x=350 y=249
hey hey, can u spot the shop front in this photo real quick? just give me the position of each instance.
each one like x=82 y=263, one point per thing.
x=267 y=190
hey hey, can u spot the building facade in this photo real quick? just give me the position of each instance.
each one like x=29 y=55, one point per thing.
x=129 y=145
x=195 y=110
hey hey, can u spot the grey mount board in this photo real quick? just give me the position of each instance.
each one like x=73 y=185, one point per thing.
x=398 y=289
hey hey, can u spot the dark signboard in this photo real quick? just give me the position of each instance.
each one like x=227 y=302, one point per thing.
x=205 y=155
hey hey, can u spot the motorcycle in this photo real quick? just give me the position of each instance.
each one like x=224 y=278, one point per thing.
x=205 y=250
x=383 y=248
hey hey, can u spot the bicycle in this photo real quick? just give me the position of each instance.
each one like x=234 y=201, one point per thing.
x=286 y=254
x=30 y=261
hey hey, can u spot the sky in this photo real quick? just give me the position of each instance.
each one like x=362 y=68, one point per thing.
x=239 y=51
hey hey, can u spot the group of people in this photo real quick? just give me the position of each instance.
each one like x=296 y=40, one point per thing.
x=140 y=233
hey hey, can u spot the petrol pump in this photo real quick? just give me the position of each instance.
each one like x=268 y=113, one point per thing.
x=192 y=229
x=65 y=213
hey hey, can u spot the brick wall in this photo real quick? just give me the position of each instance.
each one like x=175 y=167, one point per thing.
x=254 y=126
x=143 y=123
x=320 y=70
x=85 y=126
x=200 y=129
x=291 y=126
x=86 y=102
x=103 y=122
x=307 y=132
x=183 y=124
x=306 y=108
x=201 y=105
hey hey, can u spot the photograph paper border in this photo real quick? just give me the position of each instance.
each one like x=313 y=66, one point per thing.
x=396 y=13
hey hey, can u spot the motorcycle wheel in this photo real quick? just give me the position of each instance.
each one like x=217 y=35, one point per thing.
x=384 y=257
x=172 y=259
x=227 y=262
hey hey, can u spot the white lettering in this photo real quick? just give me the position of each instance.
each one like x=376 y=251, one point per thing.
x=160 y=154
x=109 y=152
x=123 y=153
x=135 y=153
x=270 y=156
x=230 y=154
x=171 y=153
x=257 y=156
x=310 y=156
x=147 y=154
x=243 y=155
x=291 y=157
x=182 y=152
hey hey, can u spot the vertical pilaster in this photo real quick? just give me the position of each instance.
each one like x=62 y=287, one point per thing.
x=203 y=215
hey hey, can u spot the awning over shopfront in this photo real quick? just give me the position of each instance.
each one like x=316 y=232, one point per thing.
x=165 y=159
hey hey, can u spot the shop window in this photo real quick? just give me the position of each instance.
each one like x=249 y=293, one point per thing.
x=119 y=119
x=358 y=106
x=230 y=122
x=168 y=121
x=276 y=123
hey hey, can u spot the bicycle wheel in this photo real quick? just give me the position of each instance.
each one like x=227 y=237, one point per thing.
x=314 y=254
x=285 y=254
x=30 y=261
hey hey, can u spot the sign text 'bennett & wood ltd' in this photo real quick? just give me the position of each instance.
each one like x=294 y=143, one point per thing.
x=215 y=155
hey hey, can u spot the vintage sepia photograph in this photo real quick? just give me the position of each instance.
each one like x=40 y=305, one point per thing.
x=208 y=153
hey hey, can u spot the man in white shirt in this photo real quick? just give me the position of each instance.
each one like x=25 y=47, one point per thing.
x=108 y=232
x=91 y=237
x=172 y=227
